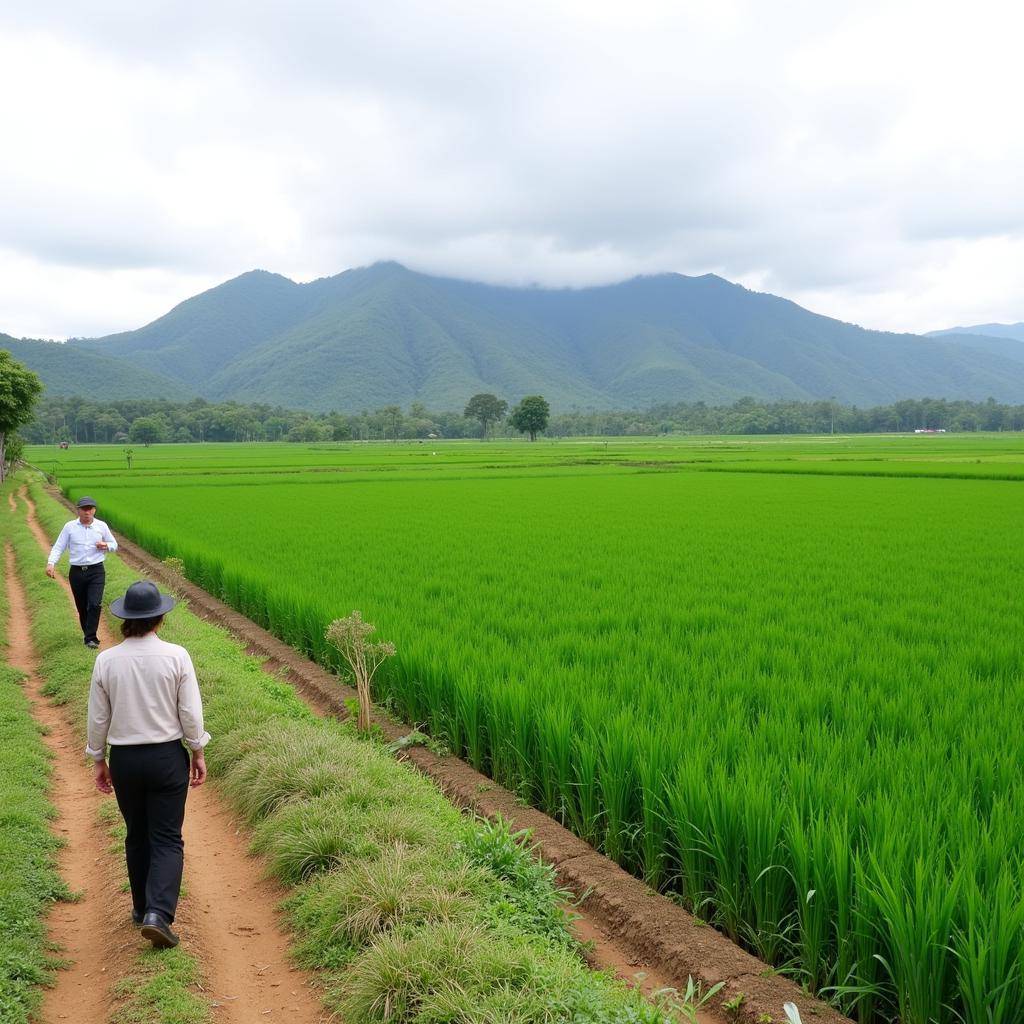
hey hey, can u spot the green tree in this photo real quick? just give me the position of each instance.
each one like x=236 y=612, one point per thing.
x=487 y=409
x=310 y=431
x=146 y=430
x=531 y=416
x=12 y=450
x=19 y=389
x=392 y=416
x=275 y=426
x=108 y=424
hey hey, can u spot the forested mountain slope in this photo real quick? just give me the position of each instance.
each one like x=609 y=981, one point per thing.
x=384 y=335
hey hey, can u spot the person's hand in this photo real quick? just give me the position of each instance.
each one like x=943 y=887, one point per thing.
x=51 y=572
x=103 y=783
x=198 y=774
x=102 y=545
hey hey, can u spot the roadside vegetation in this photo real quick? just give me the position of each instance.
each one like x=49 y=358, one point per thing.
x=29 y=882
x=782 y=691
x=408 y=910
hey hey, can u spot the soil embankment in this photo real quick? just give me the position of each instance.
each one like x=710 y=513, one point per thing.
x=227 y=919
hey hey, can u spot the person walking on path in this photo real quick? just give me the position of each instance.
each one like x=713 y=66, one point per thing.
x=144 y=702
x=88 y=541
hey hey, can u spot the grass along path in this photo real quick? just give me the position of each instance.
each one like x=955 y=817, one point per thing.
x=230 y=931
x=29 y=882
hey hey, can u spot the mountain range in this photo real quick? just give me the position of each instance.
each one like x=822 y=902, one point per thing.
x=1006 y=340
x=1015 y=331
x=384 y=334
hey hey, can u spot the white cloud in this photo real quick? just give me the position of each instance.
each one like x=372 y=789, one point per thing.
x=86 y=301
x=861 y=159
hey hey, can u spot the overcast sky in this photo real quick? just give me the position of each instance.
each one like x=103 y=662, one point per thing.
x=864 y=159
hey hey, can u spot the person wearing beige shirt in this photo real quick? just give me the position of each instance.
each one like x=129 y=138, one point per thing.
x=144 y=702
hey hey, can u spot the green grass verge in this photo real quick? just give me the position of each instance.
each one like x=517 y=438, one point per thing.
x=29 y=882
x=409 y=911
x=160 y=988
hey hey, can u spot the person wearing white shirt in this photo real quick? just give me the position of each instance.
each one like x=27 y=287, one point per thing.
x=144 y=702
x=88 y=541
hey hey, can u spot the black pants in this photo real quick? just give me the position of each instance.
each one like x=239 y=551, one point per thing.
x=87 y=586
x=151 y=783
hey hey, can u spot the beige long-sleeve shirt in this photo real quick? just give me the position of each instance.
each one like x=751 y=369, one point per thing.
x=144 y=690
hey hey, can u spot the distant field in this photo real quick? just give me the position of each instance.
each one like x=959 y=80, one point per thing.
x=997 y=455
x=779 y=678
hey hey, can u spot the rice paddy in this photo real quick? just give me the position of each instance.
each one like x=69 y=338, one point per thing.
x=781 y=681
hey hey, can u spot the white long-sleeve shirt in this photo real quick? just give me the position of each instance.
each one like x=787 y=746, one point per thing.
x=144 y=690
x=81 y=542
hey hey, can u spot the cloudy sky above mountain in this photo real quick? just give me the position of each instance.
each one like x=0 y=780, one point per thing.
x=862 y=159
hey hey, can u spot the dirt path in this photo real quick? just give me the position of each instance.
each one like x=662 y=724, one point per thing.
x=33 y=524
x=94 y=932
x=227 y=918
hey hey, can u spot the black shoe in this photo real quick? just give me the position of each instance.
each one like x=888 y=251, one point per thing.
x=158 y=931
x=92 y=644
x=137 y=917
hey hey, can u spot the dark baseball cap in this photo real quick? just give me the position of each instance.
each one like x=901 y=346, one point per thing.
x=86 y=502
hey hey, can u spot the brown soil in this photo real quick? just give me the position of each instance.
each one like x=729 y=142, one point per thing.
x=635 y=930
x=233 y=922
x=227 y=918
x=607 y=953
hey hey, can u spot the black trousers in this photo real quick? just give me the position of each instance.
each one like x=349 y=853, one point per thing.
x=151 y=783
x=87 y=583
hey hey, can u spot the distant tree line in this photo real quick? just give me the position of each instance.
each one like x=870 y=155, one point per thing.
x=753 y=416
x=150 y=421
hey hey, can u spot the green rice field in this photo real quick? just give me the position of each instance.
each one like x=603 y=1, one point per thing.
x=780 y=679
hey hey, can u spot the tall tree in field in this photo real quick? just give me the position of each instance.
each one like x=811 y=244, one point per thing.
x=531 y=416
x=487 y=409
x=19 y=389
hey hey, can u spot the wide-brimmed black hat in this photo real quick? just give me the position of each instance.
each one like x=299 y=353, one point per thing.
x=142 y=601
x=86 y=502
